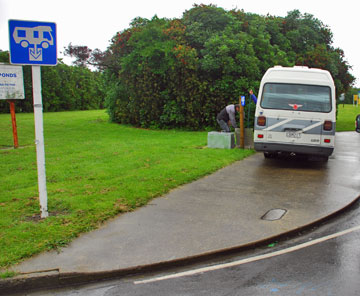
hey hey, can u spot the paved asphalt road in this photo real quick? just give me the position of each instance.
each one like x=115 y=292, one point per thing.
x=322 y=261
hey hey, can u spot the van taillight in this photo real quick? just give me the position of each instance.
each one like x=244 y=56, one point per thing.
x=327 y=125
x=261 y=121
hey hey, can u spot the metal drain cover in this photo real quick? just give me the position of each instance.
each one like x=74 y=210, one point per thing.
x=274 y=214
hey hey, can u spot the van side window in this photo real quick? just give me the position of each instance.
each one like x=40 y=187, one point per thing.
x=299 y=97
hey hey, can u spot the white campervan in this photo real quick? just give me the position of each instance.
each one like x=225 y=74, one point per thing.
x=295 y=112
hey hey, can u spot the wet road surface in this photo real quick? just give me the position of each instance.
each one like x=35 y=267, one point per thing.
x=321 y=261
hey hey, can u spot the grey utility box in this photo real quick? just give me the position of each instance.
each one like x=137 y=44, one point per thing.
x=221 y=140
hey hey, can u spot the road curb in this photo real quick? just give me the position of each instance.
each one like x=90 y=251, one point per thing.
x=55 y=279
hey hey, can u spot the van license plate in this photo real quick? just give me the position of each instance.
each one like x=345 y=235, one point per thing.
x=293 y=134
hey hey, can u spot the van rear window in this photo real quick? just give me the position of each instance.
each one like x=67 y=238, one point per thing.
x=298 y=97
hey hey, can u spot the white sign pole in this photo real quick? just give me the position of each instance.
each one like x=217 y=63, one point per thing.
x=39 y=139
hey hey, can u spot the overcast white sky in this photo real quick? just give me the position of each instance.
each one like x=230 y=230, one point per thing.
x=94 y=23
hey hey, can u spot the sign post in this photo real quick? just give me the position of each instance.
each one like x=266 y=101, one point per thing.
x=13 y=123
x=34 y=43
x=39 y=139
x=242 y=128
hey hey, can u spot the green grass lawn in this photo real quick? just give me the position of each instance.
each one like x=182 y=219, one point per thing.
x=346 y=117
x=95 y=170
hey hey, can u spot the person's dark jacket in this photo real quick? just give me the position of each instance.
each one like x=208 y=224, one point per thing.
x=228 y=113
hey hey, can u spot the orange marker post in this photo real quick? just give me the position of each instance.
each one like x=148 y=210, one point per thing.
x=13 y=121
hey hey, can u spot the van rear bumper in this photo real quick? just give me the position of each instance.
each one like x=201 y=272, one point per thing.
x=298 y=149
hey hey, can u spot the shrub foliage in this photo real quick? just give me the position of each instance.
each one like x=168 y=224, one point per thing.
x=64 y=88
x=170 y=73
x=179 y=73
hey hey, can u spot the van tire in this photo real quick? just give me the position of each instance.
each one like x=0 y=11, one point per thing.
x=269 y=155
x=325 y=158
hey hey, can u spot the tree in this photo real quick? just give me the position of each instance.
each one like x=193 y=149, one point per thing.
x=202 y=21
x=181 y=72
x=84 y=56
x=64 y=88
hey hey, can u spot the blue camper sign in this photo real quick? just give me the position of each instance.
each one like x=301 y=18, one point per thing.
x=32 y=43
x=242 y=100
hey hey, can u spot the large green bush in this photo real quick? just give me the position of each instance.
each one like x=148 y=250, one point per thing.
x=182 y=72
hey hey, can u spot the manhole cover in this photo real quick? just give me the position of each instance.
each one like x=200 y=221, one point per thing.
x=274 y=214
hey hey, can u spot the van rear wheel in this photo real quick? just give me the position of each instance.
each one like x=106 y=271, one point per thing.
x=269 y=154
x=325 y=158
